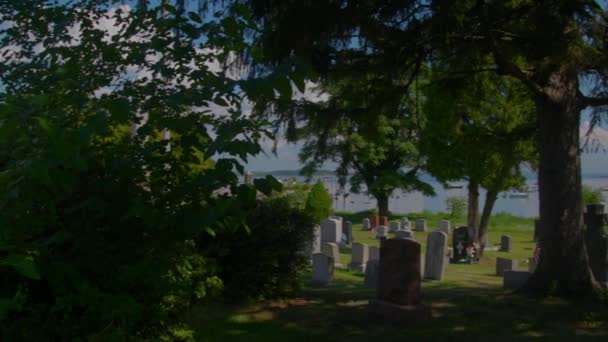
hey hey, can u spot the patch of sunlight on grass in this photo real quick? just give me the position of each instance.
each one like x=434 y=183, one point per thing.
x=240 y=318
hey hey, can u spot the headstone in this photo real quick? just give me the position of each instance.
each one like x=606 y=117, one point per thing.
x=434 y=260
x=404 y=234
x=331 y=250
x=460 y=241
x=374 y=253
x=420 y=225
x=536 y=229
x=596 y=240
x=359 y=257
x=444 y=227
x=505 y=243
x=399 y=282
x=394 y=227
x=371 y=273
x=366 y=224
x=347 y=228
x=513 y=280
x=322 y=269
x=375 y=222
x=331 y=231
x=405 y=223
x=316 y=239
x=503 y=264
x=450 y=253
x=382 y=232
x=383 y=221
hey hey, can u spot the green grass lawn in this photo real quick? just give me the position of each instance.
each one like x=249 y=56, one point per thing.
x=469 y=304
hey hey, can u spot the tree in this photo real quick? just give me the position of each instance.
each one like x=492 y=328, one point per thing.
x=398 y=36
x=318 y=202
x=98 y=227
x=380 y=153
x=481 y=128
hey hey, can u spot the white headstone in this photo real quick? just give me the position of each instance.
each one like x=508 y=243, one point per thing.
x=366 y=224
x=394 y=227
x=374 y=253
x=316 y=239
x=444 y=227
x=404 y=234
x=331 y=250
x=405 y=223
x=322 y=269
x=331 y=231
x=435 y=257
x=360 y=255
x=420 y=225
x=382 y=232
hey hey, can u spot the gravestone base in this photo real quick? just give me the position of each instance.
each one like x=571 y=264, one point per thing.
x=513 y=280
x=395 y=313
x=357 y=267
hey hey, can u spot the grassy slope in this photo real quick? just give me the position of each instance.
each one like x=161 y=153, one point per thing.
x=468 y=304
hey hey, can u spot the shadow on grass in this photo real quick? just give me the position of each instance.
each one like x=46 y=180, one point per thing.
x=338 y=312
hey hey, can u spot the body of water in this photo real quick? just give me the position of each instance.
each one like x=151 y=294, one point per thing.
x=524 y=203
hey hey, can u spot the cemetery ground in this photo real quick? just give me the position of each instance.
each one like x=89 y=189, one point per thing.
x=469 y=303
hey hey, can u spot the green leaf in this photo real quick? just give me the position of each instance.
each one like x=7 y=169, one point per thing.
x=283 y=86
x=23 y=264
x=195 y=17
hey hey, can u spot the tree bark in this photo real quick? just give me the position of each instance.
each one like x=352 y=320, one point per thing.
x=382 y=205
x=491 y=196
x=564 y=264
x=473 y=208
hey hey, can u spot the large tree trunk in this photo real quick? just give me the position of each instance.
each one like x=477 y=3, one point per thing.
x=563 y=257
x=382 y=205
x=491 y=196
x=473 y=208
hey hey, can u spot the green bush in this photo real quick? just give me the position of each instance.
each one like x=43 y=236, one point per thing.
x=592 y=196
x=318 y=202
x=456 y=206
x=265 y=261
x=97 y=223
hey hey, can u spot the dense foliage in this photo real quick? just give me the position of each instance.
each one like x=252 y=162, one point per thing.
x=592 y=196
x=455 y=206
x=108 y=121
x=318 y=202
x=264 y=261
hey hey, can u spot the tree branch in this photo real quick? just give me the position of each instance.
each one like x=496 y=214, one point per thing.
x=594 y=101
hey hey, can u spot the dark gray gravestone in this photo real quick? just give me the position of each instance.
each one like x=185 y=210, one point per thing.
x=503 y=265
x=597 y=242
x=399 y=282
x=347 y=230
x=371 y=273
x=536 y=229
x=505 y=243
x=460 y=241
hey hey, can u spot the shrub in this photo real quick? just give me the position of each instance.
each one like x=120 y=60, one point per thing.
x=592 y=196
x=318 y=202
x=97 y=223
x=265 y=261
x=456 y=206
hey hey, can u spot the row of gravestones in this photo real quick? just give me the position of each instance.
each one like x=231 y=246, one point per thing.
x=403 y=225
x=596 y=243
x=394 y=267
x=366 y=259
